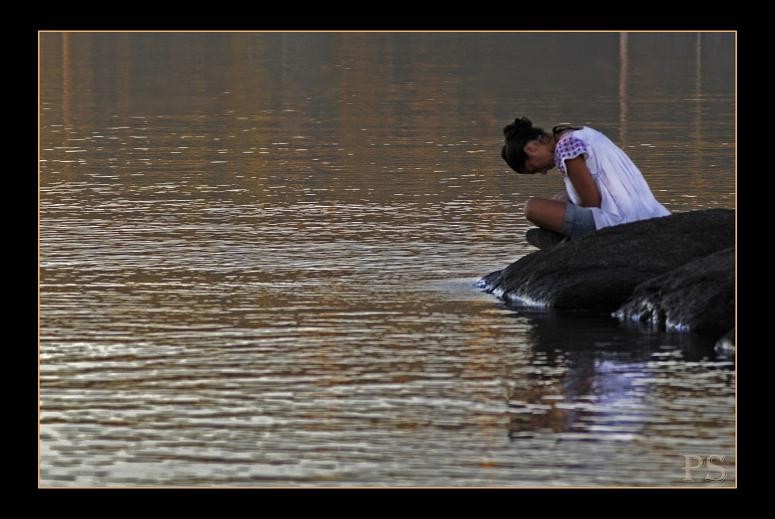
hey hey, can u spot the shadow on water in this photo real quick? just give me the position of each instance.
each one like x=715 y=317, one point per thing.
x=598 y=332
x=591 y=369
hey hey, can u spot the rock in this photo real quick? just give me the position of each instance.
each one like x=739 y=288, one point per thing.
x=602 y=269
x=698 y=296
x=726 y=344
x=487 y=282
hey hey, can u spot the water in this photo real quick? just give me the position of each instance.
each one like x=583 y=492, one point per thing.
x=257 y=253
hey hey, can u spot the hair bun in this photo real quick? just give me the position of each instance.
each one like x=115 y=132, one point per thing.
x=521 y=126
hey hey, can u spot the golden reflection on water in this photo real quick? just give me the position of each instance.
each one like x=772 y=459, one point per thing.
x=257 y=253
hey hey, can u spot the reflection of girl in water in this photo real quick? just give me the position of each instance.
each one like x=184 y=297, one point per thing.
x=595 y=396
x=604 y=187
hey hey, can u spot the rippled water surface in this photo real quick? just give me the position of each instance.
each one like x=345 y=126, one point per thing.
x=257 y=254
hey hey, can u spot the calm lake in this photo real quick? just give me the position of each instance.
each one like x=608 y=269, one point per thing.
x=258 y=251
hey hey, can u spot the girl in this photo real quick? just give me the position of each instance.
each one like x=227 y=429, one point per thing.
x=604 y=187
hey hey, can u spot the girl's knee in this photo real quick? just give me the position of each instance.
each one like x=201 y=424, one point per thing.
x=530 y=208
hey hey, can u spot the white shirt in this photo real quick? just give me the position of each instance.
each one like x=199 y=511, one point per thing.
x=624 y=194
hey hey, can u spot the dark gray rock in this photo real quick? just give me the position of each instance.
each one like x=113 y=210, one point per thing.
x=487 y=282
x=602 y=269
x=698 y=296
x=726 y=344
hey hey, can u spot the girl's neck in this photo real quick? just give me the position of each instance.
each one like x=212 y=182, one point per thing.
x=557 y=137
x=554 y=140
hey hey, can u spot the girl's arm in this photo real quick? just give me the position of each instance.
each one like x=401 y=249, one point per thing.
x=582 y=181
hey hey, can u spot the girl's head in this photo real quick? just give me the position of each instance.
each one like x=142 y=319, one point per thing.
x=528 y=149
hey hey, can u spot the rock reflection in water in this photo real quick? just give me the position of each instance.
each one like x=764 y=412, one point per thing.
x=592 y=368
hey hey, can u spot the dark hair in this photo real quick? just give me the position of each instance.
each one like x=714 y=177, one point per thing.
x=519 y=133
